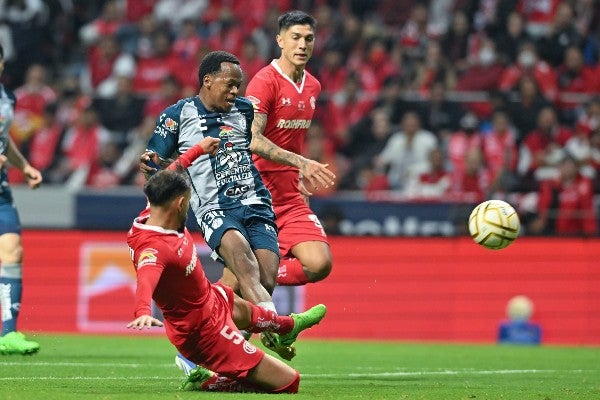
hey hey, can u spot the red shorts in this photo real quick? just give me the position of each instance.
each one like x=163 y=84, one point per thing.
x=296 y=222
x=217 y=344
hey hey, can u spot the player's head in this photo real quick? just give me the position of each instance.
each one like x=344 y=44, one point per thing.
x=296 y=37
x=220 y=77
x=170 y=190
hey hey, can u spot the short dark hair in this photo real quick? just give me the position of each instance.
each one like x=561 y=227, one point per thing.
x=166 y=185
x=211 y=63
x=296 y=17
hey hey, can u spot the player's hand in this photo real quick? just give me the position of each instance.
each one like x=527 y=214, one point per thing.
x=146 y=160
x=144 y=321
x=33 y=176
x=3 y=160
x=317 y=174
x=210 y=145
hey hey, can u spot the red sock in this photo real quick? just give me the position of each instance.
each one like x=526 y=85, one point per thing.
x=267 y=320
x=291 y=387
x=291 y=273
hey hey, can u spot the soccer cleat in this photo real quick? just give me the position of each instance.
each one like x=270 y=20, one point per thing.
x=16 y=343
x=272 y=342
x=196 y=379
x=184 y=364
x=303 y=321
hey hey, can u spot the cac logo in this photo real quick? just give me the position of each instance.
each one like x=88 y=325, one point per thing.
x=237 y=190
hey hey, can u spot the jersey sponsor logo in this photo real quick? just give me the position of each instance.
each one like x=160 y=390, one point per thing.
x=294 y=123
x=254 y=100
x=237 y=190
x=160 y=130
x=170 y=124
x=147 y=257
x=286 y=101
x=301 y=105
x=225 y=130
x=192 y=265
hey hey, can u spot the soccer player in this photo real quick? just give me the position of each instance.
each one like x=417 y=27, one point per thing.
x=202 y=318
x=284 y=95
x=11 y=250
x=230 y=202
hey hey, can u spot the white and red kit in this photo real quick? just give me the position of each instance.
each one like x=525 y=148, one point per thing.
x=197 y=314
x=289 y=108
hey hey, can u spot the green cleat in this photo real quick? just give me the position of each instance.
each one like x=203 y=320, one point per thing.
x=272 y=342
x=15 y=343
x=303 y=321
x=197 y=377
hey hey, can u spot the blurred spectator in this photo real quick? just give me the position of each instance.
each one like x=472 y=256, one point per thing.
x=121 y=113
x=566 y=204
x=174 y=12
x=543 y=149
x=251 y=61
x=106 y=24
x=44 y=146
x=455 y=43
x=434 y=69
x=513 y=38
x=344 y=109
x=136 y=38
x=135 y=10
x=539 y=16
x=440 y=114
x=500 y=153
x=484 y=73
x=151 y=71
x=105 y=62
x=366 y=139
x=406 y=153
x=188 y=41
x=575 y=79
x=377 y=68
x=390 y=99
x=80 y=151
x=28 y=36
x=528 y=63
x=524 y=108
x=472 y=182
x=467 y=138
x=226 y=33
x=581 y=145
x=491 y=16
x=434 y=182
x=333 y=71
x=415 y=32
x=167 y=95
x=32 y=97
x=562 y=35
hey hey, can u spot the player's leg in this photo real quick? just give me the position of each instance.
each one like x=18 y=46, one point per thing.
x=312 y=262
x=11 y=289
x=238 y=256
x=269 y=376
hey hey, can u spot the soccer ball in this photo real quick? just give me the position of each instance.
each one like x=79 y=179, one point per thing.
x=494 y=224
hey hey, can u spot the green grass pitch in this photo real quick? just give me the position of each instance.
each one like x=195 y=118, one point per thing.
x=141 y=367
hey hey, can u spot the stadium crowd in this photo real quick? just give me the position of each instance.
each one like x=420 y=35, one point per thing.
x=438 y=99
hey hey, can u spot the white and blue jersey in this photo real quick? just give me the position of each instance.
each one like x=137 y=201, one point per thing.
x=9 y=218
x=227 y=186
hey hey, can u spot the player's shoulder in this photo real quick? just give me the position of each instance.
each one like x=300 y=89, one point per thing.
x=243 y=104
x=312 y=80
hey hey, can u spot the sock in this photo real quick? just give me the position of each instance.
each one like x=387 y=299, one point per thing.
x=291 y=273
x=291 y=387
x=267 y=320
x=220 y=383
x=11 y=289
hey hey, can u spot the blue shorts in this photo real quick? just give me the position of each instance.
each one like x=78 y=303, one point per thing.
x=9 y=219
x=255 y=222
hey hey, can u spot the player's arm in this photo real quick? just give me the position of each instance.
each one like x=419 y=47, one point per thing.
x=14 y=156
x=148 y=275
x=316 y=173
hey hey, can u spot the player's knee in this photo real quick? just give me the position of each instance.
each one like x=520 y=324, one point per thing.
x=320 y=270
x=13 y=255
x=291 y=387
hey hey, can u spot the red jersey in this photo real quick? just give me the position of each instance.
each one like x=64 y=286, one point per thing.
x=289 y=107
x=169 y=272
